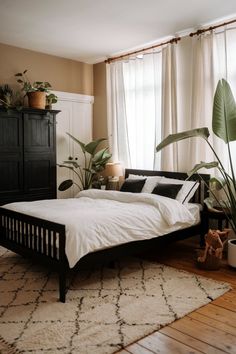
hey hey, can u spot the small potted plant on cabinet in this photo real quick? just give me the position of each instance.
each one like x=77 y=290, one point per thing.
x=36 y=92
x=51 y=98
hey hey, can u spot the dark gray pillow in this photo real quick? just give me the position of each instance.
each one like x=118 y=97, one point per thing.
x=167 y=190
x=133 y=185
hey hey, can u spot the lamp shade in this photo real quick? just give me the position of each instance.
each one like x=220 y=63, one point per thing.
x=113 y=169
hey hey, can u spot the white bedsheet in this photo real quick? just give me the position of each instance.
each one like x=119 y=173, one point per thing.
x=99 y=219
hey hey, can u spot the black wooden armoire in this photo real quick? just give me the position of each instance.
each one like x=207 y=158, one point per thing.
x=27 y=154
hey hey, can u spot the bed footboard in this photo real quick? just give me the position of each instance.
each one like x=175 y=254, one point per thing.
x=37 y=238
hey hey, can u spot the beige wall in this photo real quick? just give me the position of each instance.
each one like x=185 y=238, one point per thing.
x=100 y=102
x=63 y=74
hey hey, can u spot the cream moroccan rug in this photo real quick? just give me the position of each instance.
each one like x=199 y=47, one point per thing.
x=106 y=309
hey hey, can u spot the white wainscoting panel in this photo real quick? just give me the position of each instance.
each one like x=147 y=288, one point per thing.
x=75 y=118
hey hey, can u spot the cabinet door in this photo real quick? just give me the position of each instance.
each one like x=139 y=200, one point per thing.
x=38 y=133
x=39 y=155
x=11 y=155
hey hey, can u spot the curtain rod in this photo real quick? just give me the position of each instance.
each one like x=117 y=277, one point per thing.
x=173 y=40
x=200 y=31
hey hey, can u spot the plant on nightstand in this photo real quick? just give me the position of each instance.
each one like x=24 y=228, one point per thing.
x=94 y=162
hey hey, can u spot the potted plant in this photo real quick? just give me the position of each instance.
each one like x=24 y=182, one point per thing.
x=224 y=126
x=51 y=98
x=36 y=92
x=6 y=95
x=87 y=173
x=9 y=99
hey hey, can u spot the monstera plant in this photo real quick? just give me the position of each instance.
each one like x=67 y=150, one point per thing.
x=93 y=162
x=224 y=126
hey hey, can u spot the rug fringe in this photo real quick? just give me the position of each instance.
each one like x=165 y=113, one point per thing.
x=7 y=348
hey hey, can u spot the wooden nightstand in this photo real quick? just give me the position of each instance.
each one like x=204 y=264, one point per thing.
x=215 y=214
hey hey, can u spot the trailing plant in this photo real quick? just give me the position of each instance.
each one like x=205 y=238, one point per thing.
x=93 y=162
x=9 y=99
x=26 y=86
x=224 y=126
x=6 y=95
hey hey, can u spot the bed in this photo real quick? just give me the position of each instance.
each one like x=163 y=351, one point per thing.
x=46 y=240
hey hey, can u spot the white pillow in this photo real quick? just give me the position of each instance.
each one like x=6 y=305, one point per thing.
x=186 y=192
x=136 y=176
x=150 y=184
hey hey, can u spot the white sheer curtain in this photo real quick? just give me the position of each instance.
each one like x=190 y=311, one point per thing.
x=169 y=156
x=157 y=94
x=203 y=86
x=134 y=110
x=214 y=58
x=117 y=116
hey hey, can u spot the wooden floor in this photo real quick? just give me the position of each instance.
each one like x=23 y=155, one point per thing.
x=210 y=329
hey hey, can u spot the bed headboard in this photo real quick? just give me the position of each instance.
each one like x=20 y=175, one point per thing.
x=202 y=191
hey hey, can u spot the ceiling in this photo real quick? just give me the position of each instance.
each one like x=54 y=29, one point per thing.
x=92 y=30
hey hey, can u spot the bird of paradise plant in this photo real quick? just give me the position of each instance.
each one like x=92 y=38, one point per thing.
x=94 y=162
x=224 y=126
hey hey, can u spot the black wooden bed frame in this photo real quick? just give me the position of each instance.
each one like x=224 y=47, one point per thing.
x=44 y=241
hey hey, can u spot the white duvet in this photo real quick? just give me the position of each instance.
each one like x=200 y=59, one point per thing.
x=99 y=219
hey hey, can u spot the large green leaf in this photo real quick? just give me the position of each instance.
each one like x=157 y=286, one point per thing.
x=69 y=167
x=82 y=145
x=217 y=183
x=65 y=185
x=224 y=112
x=92 y=146
x=71 y=162
x=100 y=155
x=102 y=162
x=173 y=138
x=202 y=164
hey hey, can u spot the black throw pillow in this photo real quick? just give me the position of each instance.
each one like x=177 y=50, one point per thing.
x=133 y=185
x=167 y=190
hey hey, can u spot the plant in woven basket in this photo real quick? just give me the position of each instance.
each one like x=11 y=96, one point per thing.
x=224 y=126
x=93 y=162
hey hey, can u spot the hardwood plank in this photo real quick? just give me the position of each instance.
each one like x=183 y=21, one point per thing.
x=138 y=349
x=231 y=295
x=218 y=313
x=160 y=343
x=213 y=323
x=225 y=303
x=212 y=336
x=190 y=341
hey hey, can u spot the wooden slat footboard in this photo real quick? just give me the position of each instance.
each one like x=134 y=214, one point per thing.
x=37 y=238
x=45 y=241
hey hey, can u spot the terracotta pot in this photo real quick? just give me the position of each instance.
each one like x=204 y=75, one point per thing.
x=37 y=99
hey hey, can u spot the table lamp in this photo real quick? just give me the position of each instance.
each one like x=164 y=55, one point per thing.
x=113 y=171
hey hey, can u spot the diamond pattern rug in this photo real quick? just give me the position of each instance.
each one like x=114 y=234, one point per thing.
x=106 y=309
